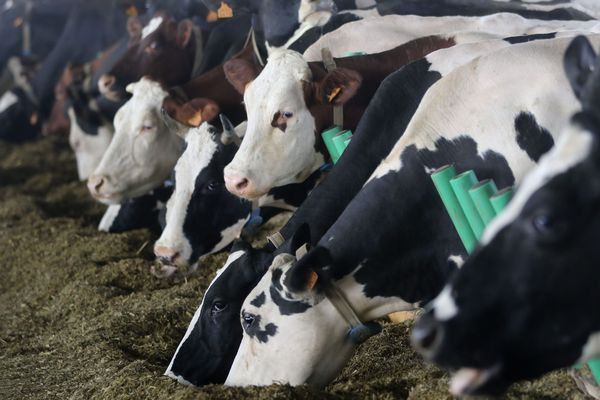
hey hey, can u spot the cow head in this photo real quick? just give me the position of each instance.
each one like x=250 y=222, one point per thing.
x=143 y=151
x=165 y=53
x=202 y=216
x=525 y=302
x=286 y=107
x=208 y=348
x=288 y=313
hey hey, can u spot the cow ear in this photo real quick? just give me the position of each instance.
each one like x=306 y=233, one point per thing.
x=239 y=73
x=579 y=63
x=198 y=110
x=185 y=31
x=339 y=86
x=306 y=274
x=131 y=87
x=300 y=237
x=134 y=28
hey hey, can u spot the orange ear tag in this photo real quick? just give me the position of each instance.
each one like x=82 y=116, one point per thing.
x=312 y=280
x=224 y=11
x=333 y=94
x=212 y=16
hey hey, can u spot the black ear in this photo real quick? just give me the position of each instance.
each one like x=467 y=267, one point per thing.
x=300 y=237
x=240 y=244
x=579 y=64
x=306 y=273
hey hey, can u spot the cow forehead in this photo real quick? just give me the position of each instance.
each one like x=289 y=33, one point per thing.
x=147 y=97
x=151 y=26
x=279 y=79
x=197 y=155
x=572 y=148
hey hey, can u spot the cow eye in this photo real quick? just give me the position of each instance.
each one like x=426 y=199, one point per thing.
x=211 y=186
x=288 y=114
x=218 y=306
x=248 y=320
x=548 y=228
x=147 y=127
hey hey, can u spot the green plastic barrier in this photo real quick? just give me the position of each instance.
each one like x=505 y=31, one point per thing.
x=328 y=136
x=338 y=142
x=595 y=368
x=461 y=185
x=480 y=194
x=441 y=178
x=501 y=199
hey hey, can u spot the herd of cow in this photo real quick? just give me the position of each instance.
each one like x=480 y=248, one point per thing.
x=214 y=111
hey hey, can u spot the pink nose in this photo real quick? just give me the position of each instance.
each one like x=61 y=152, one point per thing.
x=166 y=255
x=105 y=83
x=236 y=185
x=94 y=183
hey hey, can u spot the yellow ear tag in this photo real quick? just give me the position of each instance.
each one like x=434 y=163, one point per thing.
x=333 y=94
x=18 y=22
x=132 y=11
x=312 y=280
x=224 y=11
x=212 y=16
x=33 y=119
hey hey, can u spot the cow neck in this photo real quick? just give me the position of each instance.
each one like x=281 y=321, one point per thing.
x=358 y=331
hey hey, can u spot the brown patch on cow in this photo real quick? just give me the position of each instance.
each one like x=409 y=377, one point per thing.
x=279 y=121
x=240 y=72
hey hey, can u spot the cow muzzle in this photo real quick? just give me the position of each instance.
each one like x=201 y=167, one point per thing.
x=99 y=189
x=107 y=85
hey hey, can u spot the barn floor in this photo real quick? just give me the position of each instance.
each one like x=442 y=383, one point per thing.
x=82 y=317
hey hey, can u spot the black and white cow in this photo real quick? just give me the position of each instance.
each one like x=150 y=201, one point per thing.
x=215 y=328
x=393 y=247
x=524 y=303
x=202 y=216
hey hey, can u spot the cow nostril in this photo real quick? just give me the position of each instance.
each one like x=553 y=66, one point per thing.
x=426 y=335
x=95 y=183
x=242 y=184
x=165 y=255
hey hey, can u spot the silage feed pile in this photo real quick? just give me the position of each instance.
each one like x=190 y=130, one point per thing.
x=81 y=317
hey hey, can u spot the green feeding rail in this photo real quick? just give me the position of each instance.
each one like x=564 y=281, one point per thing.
x=336 y=140
x=472 y=205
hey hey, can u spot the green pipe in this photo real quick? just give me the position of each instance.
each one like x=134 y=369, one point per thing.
x=480 y=194
x=461 y=185
x=338 y=142
x=501 y=199
x=441 y=179
x=595 y=368
x=327 y=136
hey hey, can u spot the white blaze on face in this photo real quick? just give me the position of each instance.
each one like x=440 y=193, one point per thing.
x=306 y=347
x=200 y=149
x=268 y=156
x=7 y=100
x=143 y=151
x=572 y=147
x=151 y=26
x=88 y=148
x=444 y=306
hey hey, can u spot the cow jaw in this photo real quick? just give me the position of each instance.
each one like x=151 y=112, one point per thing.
x=279 y=144
x=142 y=152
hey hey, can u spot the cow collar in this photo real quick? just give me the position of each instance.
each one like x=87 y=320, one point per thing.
x=358 y=331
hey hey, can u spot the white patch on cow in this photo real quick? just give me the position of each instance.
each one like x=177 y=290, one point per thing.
x=109 y=217
x=269 y=157
x=591 y=348
x=444 y=307
x=88 y=148
x=230 y=260
x=200 y=150
x=572 y=147
x=7 y=100
x=315 y=339
x=229 y=234
x=143 y=150
x=457 y=260
x=151 y=26
x=394 y=30
x=487 y=115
